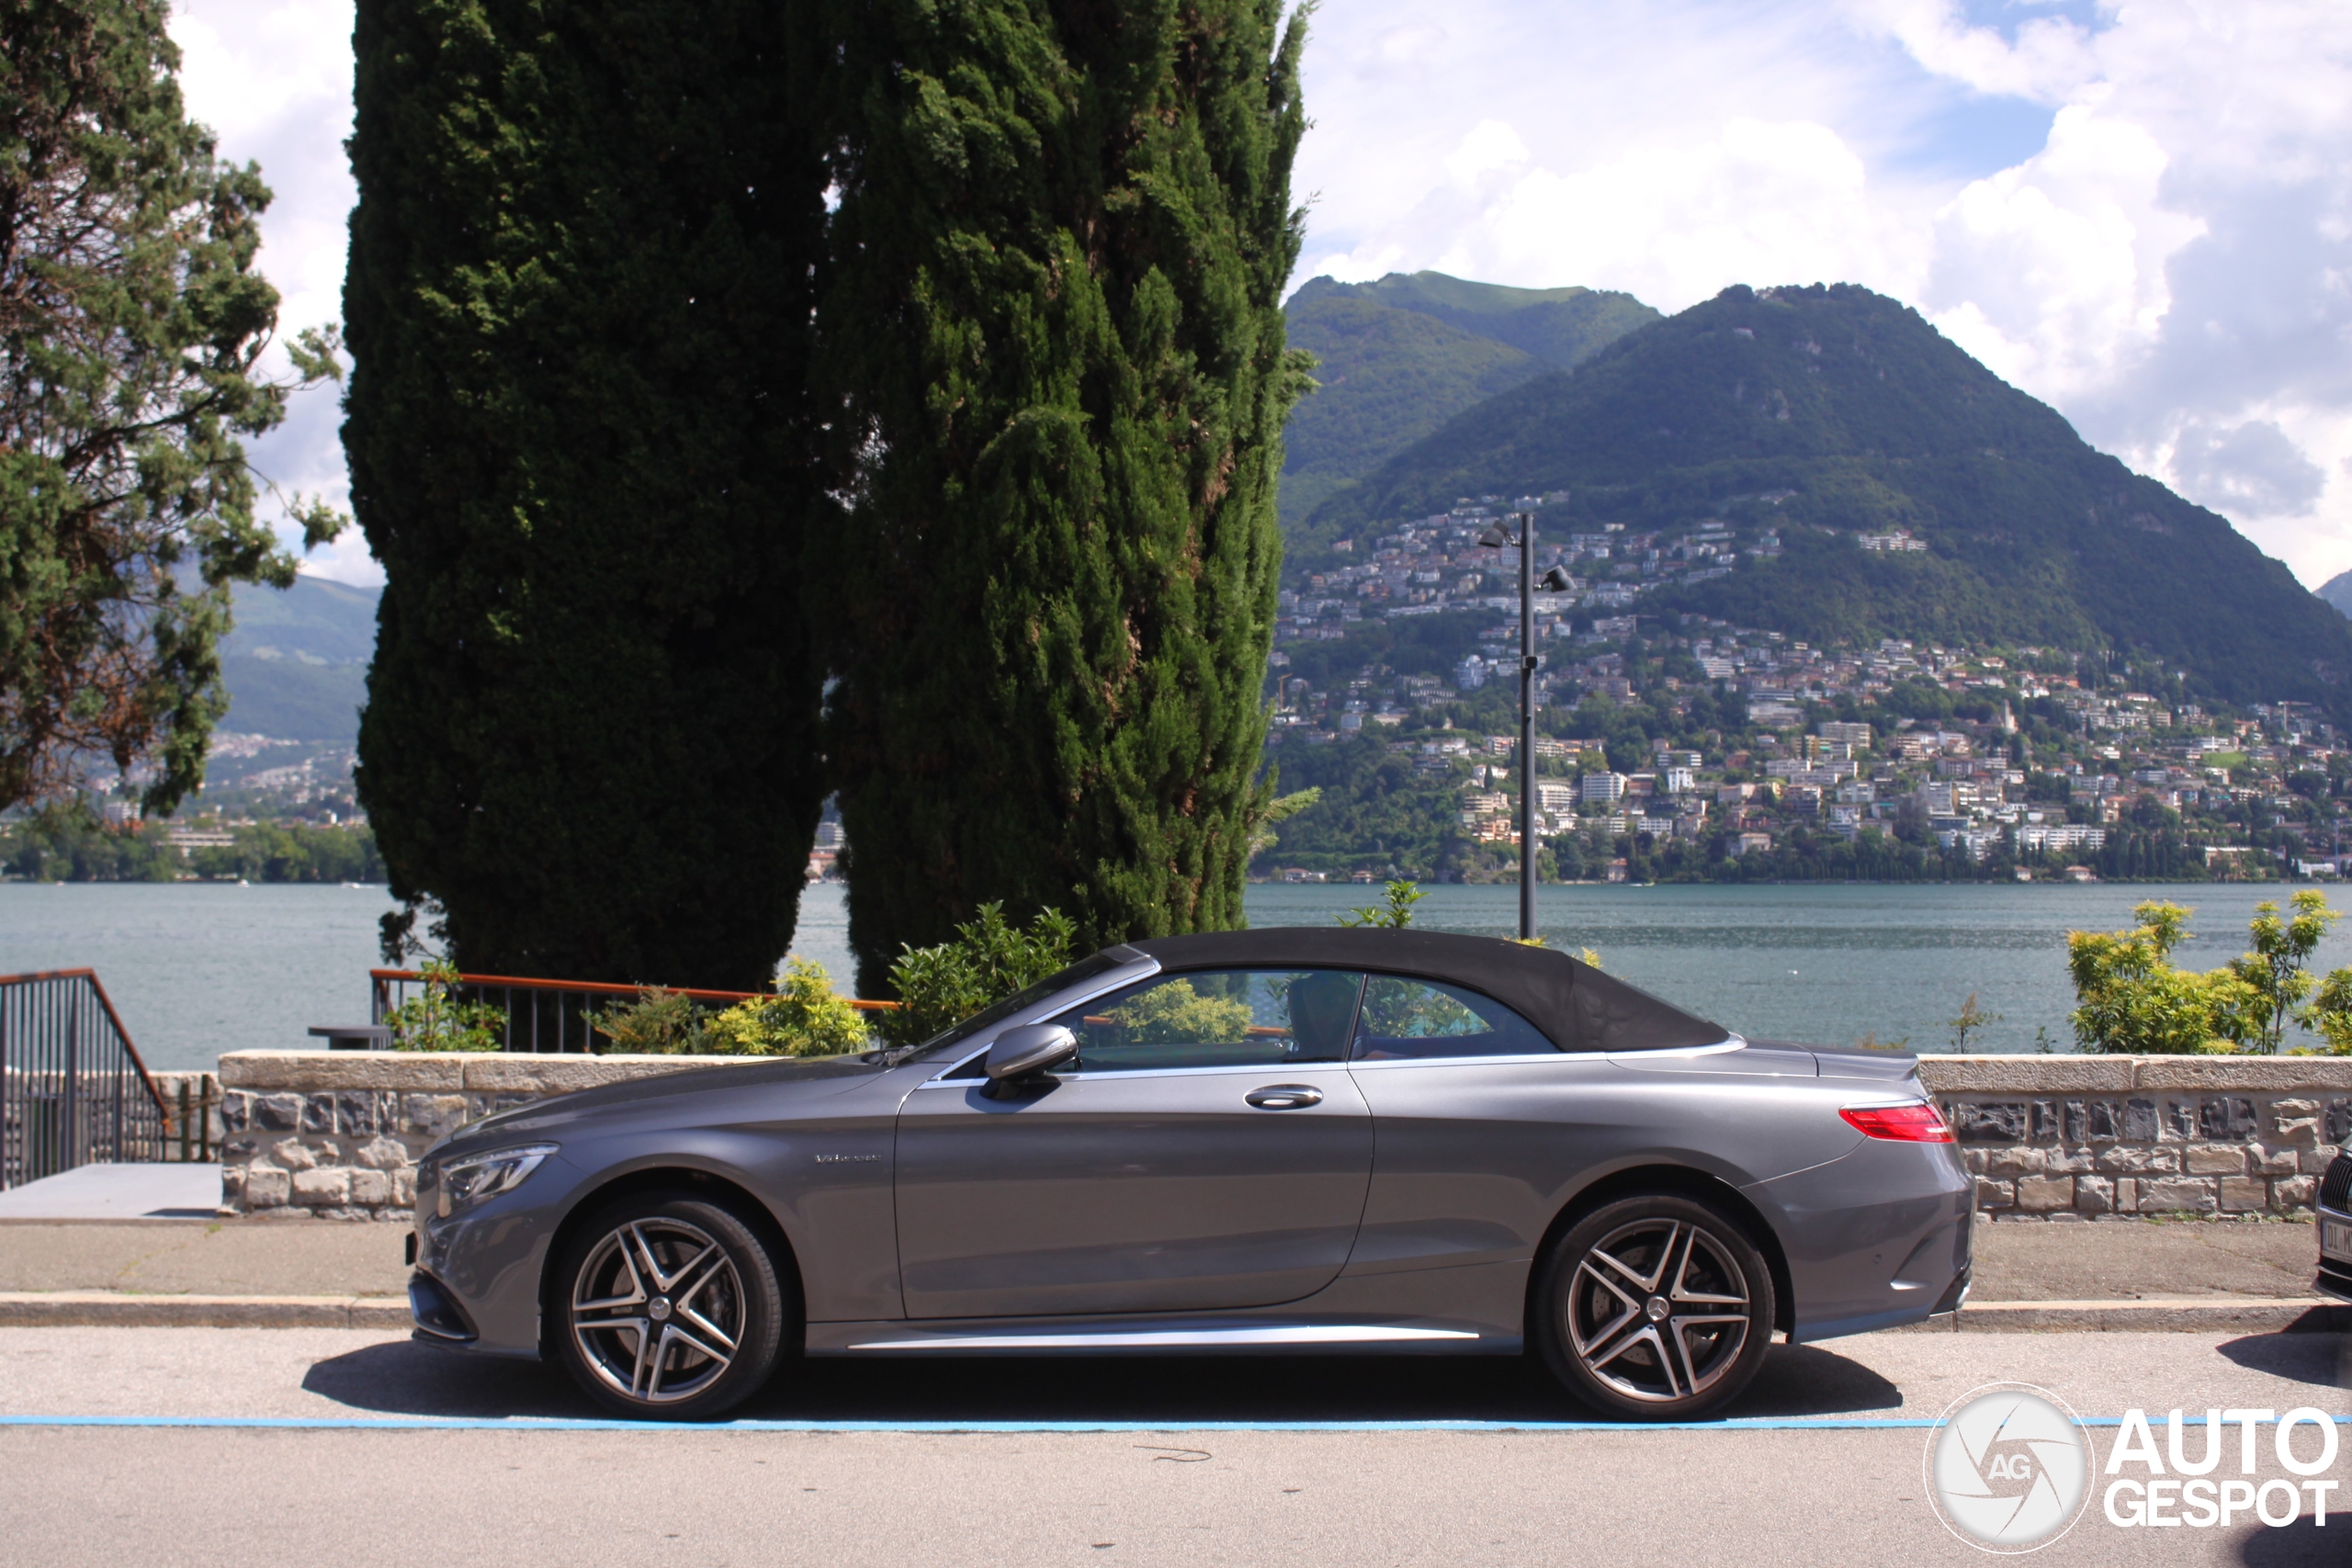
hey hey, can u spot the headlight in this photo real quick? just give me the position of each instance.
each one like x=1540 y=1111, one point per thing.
x=468 y=1181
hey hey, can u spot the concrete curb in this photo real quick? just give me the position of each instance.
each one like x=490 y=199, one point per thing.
x=116 y=1309
x=2195 y=1314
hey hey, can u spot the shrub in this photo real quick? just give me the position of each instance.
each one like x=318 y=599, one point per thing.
x=989 y=960
x=436 y=1021
x=657 y=1023
x=805 y=1018
x=2133 y=1001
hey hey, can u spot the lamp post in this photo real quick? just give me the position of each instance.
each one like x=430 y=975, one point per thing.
x=1496 y=538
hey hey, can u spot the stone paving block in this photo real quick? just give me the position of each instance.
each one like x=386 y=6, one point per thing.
x=322 y=1188
x=2244 y=1194
x=2042 y=1195
x=2178 y=1197
x=265 y=1188
x=2134 y=1159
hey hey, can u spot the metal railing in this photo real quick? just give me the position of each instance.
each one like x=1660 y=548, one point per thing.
x=544 y=1015
x=72 y=1090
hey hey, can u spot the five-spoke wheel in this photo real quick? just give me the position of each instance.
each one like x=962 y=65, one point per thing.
x=671 y=1308
x=1654 y=1307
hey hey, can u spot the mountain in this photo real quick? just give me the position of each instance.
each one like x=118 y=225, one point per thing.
x=297 y=660
x=2338 y=592
x=1397 y=358
x=1806 y=419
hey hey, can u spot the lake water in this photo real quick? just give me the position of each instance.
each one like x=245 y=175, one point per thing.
x=196 y=969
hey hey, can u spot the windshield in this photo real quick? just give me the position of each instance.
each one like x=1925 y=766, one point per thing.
x=1085 y=969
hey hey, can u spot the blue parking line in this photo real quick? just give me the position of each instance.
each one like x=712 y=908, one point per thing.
x=530 y=1424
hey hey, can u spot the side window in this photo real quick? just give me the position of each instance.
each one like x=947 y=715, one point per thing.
x=1405 y=1018
x=1226 y=1018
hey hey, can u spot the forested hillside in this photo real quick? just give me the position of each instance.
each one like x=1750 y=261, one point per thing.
x=1397 y=358
x=1814 y=419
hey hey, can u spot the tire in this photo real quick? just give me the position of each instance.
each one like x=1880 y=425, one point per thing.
x=1657 y=1307
x=669 y=1308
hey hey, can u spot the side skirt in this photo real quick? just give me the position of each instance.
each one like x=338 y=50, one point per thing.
x=1153 y=1336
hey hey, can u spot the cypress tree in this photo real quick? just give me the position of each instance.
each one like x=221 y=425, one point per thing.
x=582 y=270
x=1062 y=238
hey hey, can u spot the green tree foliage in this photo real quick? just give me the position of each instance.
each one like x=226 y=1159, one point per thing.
x=1173 y=1013
x=1969 y=1021
x=1395 y=913
x=2133 y=1000
x=132 y=320
x=658 y=1022
x=2278 y=967
x=65 y=843
x=805 y=1017
x=1855 y=416
x=1063 y=235
x=990 y=959
x=582 y=267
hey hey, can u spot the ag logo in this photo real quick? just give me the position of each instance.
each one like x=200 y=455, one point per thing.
x=2008 y=1467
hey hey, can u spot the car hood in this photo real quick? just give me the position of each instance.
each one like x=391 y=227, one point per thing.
x=812 y=1077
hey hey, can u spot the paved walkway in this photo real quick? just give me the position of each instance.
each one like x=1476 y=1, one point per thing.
x=151 y=1192
x=232 y=1258
x=2016 y=1262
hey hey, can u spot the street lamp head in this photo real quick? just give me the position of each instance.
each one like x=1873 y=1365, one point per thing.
x=1495 y=536
x=1554 y=580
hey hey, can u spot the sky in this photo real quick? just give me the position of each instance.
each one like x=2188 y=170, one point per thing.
x=2140 y=213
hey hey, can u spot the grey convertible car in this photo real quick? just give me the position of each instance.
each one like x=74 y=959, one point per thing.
x=1269 y=1141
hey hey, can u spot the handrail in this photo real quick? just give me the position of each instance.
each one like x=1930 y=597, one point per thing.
x=607 y=988
x=66 y=1094
x=113 y=1017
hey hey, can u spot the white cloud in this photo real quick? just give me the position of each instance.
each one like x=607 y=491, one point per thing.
x=272 y=78
x=2171 y=267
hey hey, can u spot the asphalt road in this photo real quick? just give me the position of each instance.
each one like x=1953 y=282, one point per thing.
x=1190 y=1462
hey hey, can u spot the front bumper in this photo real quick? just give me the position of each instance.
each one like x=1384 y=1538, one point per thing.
x=477 y=1282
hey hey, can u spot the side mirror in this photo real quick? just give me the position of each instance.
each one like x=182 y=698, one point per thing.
x=1031 y=1049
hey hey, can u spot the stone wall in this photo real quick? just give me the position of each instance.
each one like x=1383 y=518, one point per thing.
x=2106 y=1137
x=335 y=1135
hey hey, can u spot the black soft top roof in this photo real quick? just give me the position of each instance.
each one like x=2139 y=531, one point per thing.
x=1576 y=1006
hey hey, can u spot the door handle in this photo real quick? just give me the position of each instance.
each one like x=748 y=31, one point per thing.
x=1284 y=1096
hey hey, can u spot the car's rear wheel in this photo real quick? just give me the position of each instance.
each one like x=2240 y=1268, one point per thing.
x=672 y=1309
x=1658 y=1307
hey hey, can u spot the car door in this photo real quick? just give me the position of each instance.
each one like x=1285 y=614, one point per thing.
x=1208 y=1149
x=1482 y=1122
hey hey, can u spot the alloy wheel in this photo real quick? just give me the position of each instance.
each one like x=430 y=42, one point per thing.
x=658 y=1310
x=1658 y=1310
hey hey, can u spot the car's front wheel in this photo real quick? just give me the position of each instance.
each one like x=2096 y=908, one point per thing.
x=1658 y=1307
x=672 y=1309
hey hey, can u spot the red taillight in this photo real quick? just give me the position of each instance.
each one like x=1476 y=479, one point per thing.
x=1901 y=1123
